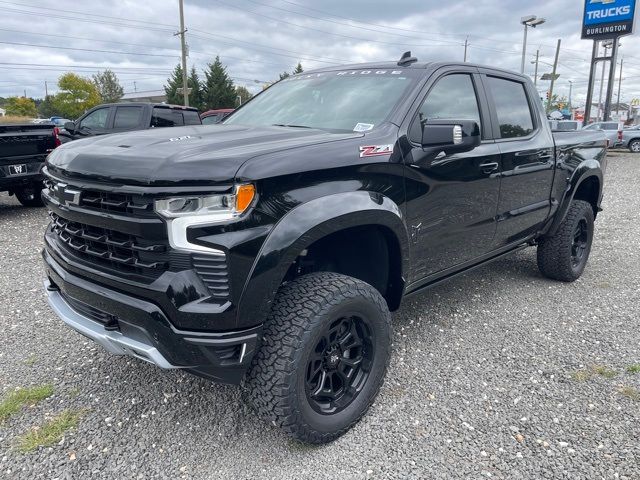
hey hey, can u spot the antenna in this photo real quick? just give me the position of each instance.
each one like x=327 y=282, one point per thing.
x=406 y=59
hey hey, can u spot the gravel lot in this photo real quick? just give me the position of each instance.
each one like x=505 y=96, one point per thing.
x=494 y=374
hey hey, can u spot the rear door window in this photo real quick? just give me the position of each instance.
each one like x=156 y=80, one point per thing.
x=191 y=117
x=127 y=117
x=512 y=107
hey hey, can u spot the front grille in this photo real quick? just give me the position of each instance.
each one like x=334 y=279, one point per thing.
x=102 y=201
x=108 y=248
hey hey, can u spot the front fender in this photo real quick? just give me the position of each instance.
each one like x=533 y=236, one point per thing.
x=301 y=227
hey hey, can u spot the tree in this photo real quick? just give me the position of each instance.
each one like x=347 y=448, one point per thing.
x=46 y=107
x=196 y=97
x=284 y=75
x=171 y=88
x=108 y=86
x=298 y=69
x=77 y=95
x=219 y=91
x=21 y=107
x=244 y=94
x=558 y=103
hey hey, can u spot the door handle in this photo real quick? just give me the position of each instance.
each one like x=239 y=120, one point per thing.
x=489 y=167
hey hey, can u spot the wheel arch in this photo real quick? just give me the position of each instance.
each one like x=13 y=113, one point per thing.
x=311 y=223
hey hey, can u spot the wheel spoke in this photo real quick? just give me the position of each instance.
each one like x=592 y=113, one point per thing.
x=351 y=362
x=317 y=392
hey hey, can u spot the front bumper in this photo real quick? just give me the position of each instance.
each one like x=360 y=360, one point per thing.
x=125 y=325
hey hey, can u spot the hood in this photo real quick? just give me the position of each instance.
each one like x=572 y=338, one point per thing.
x=195 y=155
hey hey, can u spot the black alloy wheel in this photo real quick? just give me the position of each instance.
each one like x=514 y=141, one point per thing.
x=580 y=242
x=339 y=365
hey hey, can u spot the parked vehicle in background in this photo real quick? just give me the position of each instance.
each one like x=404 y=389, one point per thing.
x=564 y=125
x=23 y=149
x=631 y=139
x=124 y=117
x=270 y=250
x=59 y=121
x=612 y=130
x=215 y=116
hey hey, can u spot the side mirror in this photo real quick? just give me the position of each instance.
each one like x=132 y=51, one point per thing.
x=450 y=136
x=70 y=127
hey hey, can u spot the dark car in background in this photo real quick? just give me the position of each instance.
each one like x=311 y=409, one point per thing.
x=125 y=117
x=215 y=116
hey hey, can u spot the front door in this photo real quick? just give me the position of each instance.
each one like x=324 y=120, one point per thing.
x=451 y=198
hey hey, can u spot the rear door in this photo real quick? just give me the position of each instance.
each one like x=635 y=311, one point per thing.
x=451 y=199
x=527 y=156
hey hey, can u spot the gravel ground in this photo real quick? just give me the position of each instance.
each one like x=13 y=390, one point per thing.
x=490 y=377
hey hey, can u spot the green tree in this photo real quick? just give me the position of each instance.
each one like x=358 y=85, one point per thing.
x=558 y=103
x=244 y=94
x=298 y=69
x=76 y=95
x=46 y=108
x=171 y=88
x=21 y=107
x=284 y=75
x=108 y=86
x=219 y=91
x=196 y=97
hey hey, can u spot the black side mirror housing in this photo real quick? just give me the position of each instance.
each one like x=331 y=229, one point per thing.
x=70 y=127
x=450 y=136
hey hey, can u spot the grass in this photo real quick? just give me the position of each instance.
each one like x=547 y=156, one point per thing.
x=25 y=396
x=15 y=119
x=633 y=369
x=631 y=393
x=51 y=432
x=596 y=370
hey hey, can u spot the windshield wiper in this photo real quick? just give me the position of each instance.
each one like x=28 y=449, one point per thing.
x=288 y=125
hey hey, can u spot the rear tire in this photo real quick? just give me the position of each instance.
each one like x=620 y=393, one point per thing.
x=30 y=196
x=634 y=146
x=325 y=351
x=564 y=255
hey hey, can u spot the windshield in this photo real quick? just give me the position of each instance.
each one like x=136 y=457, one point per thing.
x=352 y=100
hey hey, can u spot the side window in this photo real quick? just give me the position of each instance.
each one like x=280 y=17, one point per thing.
x=191 y=117
x=512 y=107
x=210 y=119
x=454 y=98
x=611 y=126
x=127 y=117
x=166 y=117
x=96 y=119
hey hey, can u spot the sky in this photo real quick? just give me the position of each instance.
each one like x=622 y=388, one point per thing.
x=257 y=39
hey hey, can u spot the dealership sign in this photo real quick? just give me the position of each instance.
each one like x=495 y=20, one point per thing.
x=608 y=18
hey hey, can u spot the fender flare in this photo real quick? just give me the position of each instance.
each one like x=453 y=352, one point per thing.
x=586 y=170
x=303 y=226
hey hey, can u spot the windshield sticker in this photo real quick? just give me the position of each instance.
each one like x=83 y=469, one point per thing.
x=363 y=127
x=375 y=150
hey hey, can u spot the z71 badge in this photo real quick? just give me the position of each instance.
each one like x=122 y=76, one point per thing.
x=375 y=150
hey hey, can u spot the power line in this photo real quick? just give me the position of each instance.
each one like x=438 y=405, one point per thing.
x=85 y=49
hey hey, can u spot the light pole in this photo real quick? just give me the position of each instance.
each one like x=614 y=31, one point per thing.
x=570 y=92
x=528 y=21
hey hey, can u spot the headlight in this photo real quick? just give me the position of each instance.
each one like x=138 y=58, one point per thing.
x=224 y=207
x=184 y=212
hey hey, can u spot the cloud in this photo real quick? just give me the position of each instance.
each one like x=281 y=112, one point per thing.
x=258 y=39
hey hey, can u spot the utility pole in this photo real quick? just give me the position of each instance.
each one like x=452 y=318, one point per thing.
x=25 y=93
x=135 y=86
x=619 y=87
x=46 y=90
x=535 y=75
x=466 y=45
x=570 y=92
x=185 y=81
x=598 y=118
x=553 y=75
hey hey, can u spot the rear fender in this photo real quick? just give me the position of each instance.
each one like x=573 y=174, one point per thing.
x=303 y=226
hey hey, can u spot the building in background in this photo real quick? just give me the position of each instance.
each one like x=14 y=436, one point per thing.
x=3 y=112
x=152 y=96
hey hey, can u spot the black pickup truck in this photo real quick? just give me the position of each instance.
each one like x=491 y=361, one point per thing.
x=268 y=250
x=23 y=150
x=125 y=117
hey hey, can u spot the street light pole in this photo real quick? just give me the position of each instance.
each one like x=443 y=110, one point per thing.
x=535 y=75
x=528 y=21
x=619 y=87
x=570 y=92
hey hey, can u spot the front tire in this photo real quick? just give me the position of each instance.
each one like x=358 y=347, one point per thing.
x=634 y=146
x=30 y=196
x=325 y=351
x=564 y=255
